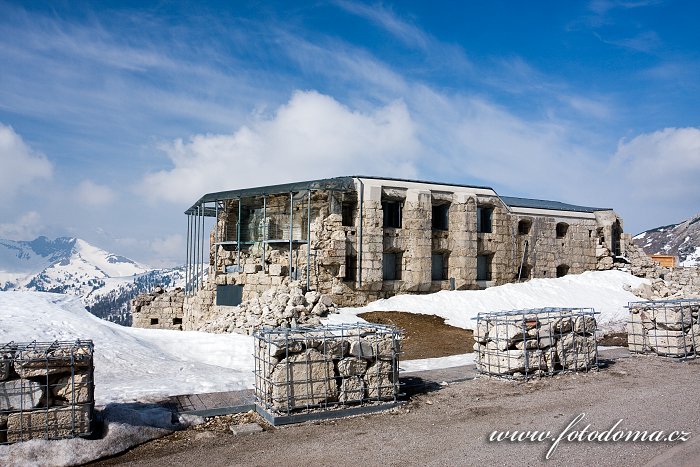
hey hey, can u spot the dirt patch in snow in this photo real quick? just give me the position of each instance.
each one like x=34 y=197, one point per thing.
x=425 y=336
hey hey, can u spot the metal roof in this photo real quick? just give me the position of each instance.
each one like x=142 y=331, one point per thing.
x=347 y=183
x=545 y=204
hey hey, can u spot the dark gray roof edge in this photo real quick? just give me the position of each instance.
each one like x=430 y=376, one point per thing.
x=336 y=183
x=515 y=202
x=347 y=183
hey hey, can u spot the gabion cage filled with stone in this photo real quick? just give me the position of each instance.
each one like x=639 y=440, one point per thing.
x=535 y=342
x=46 y=390
x=325 y=367
x=665 y=327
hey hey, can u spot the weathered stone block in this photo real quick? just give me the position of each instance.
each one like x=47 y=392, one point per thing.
x=303 y=379
x=20 y=394
x=576 y=352
x=5 y=366
x=40 y=363
x=75 y=389
x=672 y=343
x=673 y=319
x=379 y=380
x=352 y=389
x=352 y=366
x=54 y=423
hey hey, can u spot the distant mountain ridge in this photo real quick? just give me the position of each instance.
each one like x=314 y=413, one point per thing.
x=681 y=240
x=105 y=281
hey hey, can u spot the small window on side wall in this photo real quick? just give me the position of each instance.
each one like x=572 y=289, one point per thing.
x=562 y=270
x=562 y=228
x=484 y=219
x=441 y=220
x=524 y=226
x=350 y=268
x=348 y=210
x=392 y=213
x=483 y=267
x=391 y=266
x=439 y=267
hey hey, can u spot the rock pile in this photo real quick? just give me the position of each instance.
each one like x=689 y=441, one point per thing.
x=670 y=328
x=670 y=284
x=283 y=306
x=46 y=390
x=535 y=342
x=159 y=309
x=325 y=366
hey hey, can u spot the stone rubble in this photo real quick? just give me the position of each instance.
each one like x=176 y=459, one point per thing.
x=46 y=391
x=295 y=370
x=285 y=306
x=535 y=343
x=159 y=309
x=668 y=328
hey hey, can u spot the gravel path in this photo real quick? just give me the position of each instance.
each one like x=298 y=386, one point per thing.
x=451 y=426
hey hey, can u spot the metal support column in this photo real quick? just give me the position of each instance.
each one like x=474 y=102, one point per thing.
x=359 y=235
x=291 y=231
x=216 y=235
x=201 y=254
x=238 y=237
x=196 y=252
x=187 y=256
x=308 y=240
x=264 y=234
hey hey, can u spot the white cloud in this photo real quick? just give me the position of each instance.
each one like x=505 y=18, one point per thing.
x=663 y=165
x=89 y=193
x=312 y=136
x=27 y=227
x=21 y=165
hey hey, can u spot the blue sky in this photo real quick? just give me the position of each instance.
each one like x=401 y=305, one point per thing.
x=116 y=116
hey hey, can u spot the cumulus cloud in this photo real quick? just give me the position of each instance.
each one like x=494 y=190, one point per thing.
x=663 y=165
x=91 y=194
x=21 y=165
x=312 y=136
x=27 y=227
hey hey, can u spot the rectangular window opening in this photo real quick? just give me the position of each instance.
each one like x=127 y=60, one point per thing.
x=350 y=268
x=348 y=212
x=154 y=321
x=484 y=219
x=392 y=266
x=441 y=220
x=439 y=269
x=177 y=321
x=392 y=213
x=483 y=267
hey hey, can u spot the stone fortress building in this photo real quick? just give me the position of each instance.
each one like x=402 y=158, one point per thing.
x=356 y=239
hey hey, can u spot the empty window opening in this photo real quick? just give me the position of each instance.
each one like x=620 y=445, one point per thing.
x=441 y=220
x=392 y=266
x=524 y=226
x=439 y=267
x=154 y=321
x=350 y=268
x=177 y=321
x=348 y=212
x=616 y=246
x=562 y=270
x=392 y=213
x=483 y=267
x=484 y=219
x=562 y=228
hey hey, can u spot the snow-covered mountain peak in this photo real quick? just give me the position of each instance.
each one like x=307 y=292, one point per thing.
x=682 y=240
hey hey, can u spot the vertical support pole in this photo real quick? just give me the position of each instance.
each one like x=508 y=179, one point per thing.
x=359 y=232
x=264 y=239
x=291 y=231
x=308 y=240
x=202 y=246
x=187 y=256
x=195 y=258
x=216 y=235
x=238 y=237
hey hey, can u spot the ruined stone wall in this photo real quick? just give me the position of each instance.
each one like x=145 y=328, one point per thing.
x=159 y=309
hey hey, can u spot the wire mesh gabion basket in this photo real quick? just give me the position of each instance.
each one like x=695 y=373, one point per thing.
x=670 y=328
x=535 y=342
x=46 y=390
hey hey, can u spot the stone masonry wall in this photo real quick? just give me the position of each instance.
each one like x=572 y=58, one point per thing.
x=159 y=309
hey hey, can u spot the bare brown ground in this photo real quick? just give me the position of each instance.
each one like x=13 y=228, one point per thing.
x=425 y=336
